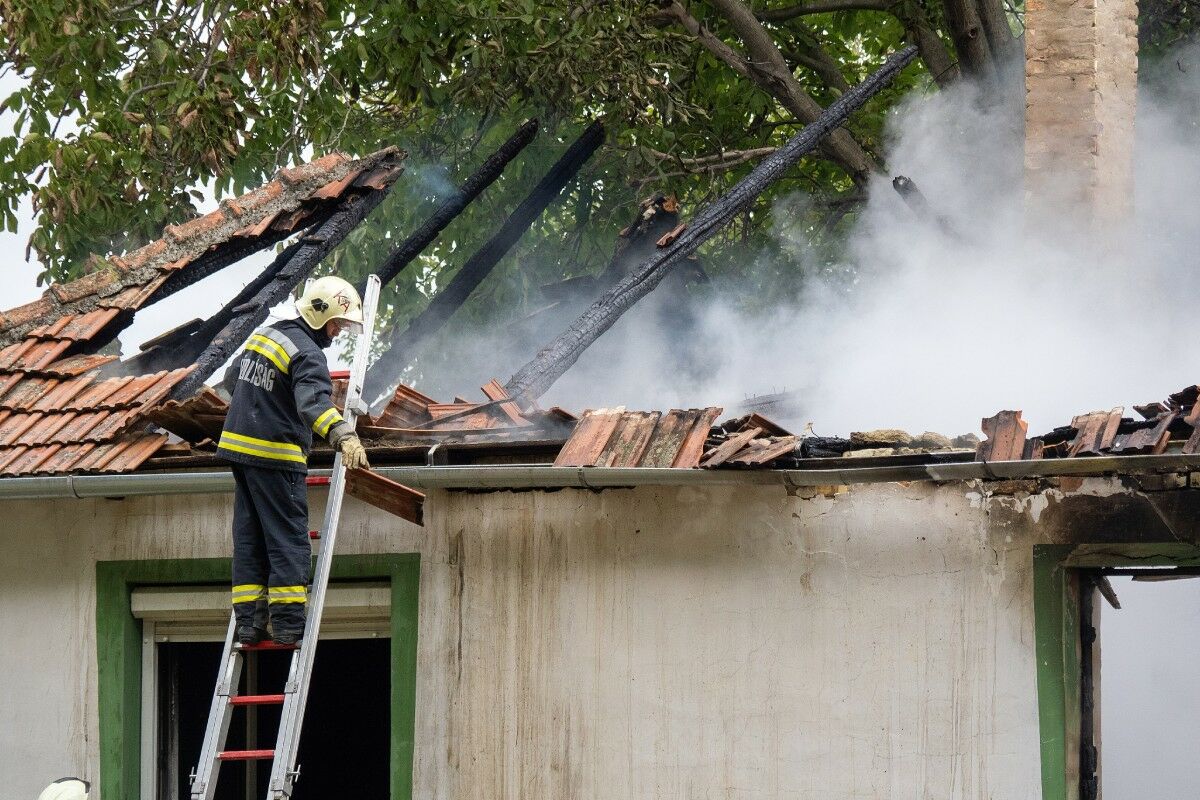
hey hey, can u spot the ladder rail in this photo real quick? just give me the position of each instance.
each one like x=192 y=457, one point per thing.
x=283 y=773
x=220 y=713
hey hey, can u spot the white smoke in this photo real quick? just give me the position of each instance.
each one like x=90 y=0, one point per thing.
x=952 y=317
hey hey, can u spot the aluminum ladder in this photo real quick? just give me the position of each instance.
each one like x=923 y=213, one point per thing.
x=284 y=771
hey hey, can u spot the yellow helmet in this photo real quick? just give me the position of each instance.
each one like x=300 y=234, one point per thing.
x=330 y=298
x=66 y=789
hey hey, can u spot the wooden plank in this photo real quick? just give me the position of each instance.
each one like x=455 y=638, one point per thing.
x=384 y=493
x=495 y=391
x=1005 y=437
x=773 y=449
x=1096 y=432
x=692 y=446
x=730 y=447
x=590 y=438
x=628 y=445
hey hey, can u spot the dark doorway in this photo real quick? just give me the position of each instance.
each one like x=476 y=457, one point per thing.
x=347 y=725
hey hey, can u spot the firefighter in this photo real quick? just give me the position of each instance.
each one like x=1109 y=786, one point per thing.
x=280 y=396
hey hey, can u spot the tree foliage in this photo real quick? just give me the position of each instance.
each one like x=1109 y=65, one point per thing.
x=131 y=112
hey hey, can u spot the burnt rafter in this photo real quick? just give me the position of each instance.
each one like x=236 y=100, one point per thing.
x=291 y=267
x=454 y=205
x=556 y=358
x=385 y=373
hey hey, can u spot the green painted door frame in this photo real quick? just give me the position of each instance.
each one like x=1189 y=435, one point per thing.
x=119 y=656
x=1058 y=647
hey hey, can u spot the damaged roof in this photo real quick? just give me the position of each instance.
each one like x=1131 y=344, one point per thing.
x=69 y=405
x=64 y=407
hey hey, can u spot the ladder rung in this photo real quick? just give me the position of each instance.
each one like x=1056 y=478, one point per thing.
x=245 y=755
x=314 y=534
x=256 y=699
x=265 y=645
x=316 y=480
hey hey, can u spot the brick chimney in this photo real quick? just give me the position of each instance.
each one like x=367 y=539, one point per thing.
x=1080 y=99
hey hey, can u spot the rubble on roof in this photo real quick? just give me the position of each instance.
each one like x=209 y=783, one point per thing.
x=1170 y=425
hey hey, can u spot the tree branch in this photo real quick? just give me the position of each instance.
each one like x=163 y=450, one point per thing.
x=822 y=7
x=772 y=72
x=767 y=68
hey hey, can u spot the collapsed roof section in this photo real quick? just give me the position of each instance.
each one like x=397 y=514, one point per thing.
x=66 y=403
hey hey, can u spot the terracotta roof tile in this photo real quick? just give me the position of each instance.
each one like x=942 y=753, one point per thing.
x=314 y=169
x=103 y=282
x=16 y=426
x=252 y=201
x=85 y=326
x=57 y=394
x=30 y=312
x=45 y=428
x=27 y=392
x=65 y=459
x=28 y=459
x=76 y=365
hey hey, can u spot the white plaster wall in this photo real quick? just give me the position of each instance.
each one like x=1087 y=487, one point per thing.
x=723 y=643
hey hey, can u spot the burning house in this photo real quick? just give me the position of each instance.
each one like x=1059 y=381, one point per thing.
x=571 y=602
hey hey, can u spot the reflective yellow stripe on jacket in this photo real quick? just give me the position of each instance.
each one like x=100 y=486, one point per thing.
x=288 y=594
x=326 y=421
x=262 y=448
x=270 y=349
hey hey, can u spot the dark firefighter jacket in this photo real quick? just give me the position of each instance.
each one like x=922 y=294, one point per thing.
x=280 y=390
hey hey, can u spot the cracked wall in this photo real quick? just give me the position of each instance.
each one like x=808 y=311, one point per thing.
x=727 y=642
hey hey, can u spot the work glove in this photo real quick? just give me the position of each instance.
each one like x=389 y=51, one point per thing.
x=354 y=455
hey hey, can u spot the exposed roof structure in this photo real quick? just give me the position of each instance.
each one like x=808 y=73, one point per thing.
x=68 y=404
x=65 y=404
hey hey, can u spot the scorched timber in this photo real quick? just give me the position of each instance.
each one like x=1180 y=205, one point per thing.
x=386 y=372
x=291 y=267
x=533 y=379
x=454 y=205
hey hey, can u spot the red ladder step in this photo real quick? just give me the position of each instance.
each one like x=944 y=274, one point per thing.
x=256 y=700
x=264 y=645
x=245 y=755
x=314 y=534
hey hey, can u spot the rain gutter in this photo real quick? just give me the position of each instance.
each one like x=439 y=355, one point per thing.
x=546 y=477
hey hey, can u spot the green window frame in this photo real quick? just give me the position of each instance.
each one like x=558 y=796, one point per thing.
x=1058 y=648
x=119 y=656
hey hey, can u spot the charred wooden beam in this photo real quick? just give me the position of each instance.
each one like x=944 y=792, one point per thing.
x=291 y=267
x=547 y=366
x=454 y=205
x=184 y=345
x=386 y=371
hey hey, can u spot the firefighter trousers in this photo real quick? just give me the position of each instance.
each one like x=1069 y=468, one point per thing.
x=271 y=550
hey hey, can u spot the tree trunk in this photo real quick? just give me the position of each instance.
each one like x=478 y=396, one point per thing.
x=970 y=40
x=1003 y=44
x=384 y=374
x=533 y=379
